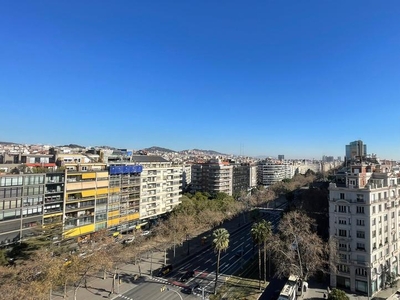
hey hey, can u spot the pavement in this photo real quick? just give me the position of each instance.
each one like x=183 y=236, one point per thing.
x=316 y=291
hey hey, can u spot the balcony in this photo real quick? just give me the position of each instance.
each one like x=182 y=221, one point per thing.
x=78 y=199
x=53 y=199
x=52 y=210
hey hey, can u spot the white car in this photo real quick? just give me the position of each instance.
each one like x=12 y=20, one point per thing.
x=146 y=232
x=128 y=240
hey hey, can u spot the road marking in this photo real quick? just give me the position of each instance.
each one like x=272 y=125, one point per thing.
x=124 y=297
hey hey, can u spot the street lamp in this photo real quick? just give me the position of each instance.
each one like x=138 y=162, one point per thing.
x=187 y=240
x=151 y=262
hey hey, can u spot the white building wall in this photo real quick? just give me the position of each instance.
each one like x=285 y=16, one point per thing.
x=366 y=224
x=160 y=189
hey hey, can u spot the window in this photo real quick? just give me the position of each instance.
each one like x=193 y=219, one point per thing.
x=360 y=209
x=374 y=233
x=361 y=234
x=360 y=222
x=373 y=209
x=342 y=246
x=361 y=272
x=342 y=208
x=361 y=246
x=374 y=245
x=379 y=196
x=342 y=221
x=380 y=208
x=341 y=195
x=373 y=221
x=342 y=232
x=385 y=217
x=343 y=268
x=360 y=258
x=360 y=198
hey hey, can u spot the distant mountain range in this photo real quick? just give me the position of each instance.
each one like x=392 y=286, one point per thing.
x=160 y=149
x=73 y=146
x=151 y=149
x=8 y=143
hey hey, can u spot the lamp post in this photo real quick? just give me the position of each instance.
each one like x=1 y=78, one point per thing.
x=187 y=240
x=151 y=262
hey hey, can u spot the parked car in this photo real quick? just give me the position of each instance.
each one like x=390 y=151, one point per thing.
x=186 y=276
x=239 y=253
x=164 y=270
x=128 y=240
x=191 y=289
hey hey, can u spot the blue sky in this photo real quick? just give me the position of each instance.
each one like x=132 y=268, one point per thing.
x=299 y=78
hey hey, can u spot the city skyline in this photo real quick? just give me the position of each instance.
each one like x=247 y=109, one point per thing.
x=299 y=79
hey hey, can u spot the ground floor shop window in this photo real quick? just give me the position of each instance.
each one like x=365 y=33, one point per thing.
x=361 y=286
x=343 y=282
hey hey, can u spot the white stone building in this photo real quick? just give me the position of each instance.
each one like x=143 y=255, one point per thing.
x=271 y=172
x=364 y=217
x=160 y=186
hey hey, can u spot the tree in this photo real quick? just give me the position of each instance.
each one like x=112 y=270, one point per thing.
x=260 y=233
x=336 y=294
x=257 y=236
x=220 y=243
x=267 y=233
x=297 y=249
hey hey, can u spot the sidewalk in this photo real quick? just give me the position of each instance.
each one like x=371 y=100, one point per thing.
x=317 y=290
x=98 y=288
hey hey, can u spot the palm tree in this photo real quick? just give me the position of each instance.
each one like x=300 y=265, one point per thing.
x=267 y=230
x=220 y=243
x=260 y=232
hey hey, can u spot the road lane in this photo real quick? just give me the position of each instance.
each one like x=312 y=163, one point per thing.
x=204 y=265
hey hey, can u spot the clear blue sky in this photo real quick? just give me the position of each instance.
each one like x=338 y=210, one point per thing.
x=299 y=78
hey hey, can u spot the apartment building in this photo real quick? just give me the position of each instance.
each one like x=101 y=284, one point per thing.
x=356 y=149
x=240 y=178
x=213 y=177
x=21 y=206
x=253 y=175
x=186 y=176
x=271 y=172
x=160 y=186
x=124 y=197
x=364 y=218
x=53 y=208
x=86 y=199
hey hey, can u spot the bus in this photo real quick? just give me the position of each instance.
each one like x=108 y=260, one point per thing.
x=289 y=291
